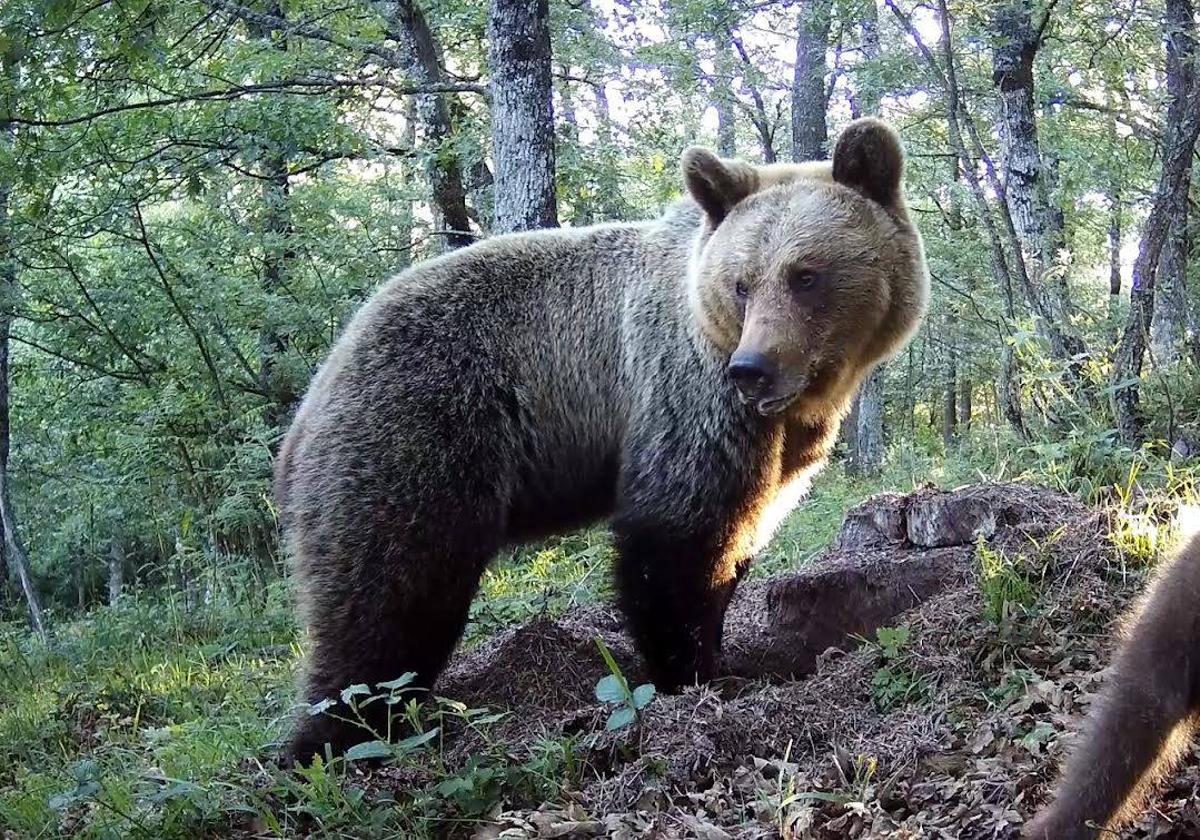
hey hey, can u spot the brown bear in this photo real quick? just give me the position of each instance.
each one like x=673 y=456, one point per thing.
x=683 y=378
x=1142 y=725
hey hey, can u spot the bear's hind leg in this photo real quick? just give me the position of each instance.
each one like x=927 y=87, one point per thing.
x=402 y=613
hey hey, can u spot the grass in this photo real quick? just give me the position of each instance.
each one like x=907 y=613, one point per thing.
x=152 y=720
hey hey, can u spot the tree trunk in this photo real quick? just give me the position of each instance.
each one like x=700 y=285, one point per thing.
x=116 y=569
x=862 y=429
x=408 y=27
x=869 y=93
x=1169 y=324
x=868 y=413
x=910 y=385
x=522 y=114
x=281 y=395
x=9 y=293
x=77 y=579
x=810 y=134
x=1026 y=190
x=1170 y=199
x=724 y=101
x=1114 y=259
x=950 y=399
x=966 y=409
x=867 y=458
x=1008 y=392
x=408 y=140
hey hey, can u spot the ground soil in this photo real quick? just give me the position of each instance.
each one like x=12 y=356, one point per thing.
x=799 y=744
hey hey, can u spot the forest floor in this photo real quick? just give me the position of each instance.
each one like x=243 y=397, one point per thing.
x=948 y=722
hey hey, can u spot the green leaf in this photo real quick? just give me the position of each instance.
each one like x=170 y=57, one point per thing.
x=611 y=689
x=642 y=695
x=354 y=691
x=620 y=718
x=417 y=741
x=367 y=750
x=489 y=719
x=400 y=681
x=450 y=787
x=319 y=707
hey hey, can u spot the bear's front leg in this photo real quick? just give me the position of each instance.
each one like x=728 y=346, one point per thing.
x=674 y=591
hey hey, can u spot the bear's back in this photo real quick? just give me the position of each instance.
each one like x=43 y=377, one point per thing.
x=526 y=334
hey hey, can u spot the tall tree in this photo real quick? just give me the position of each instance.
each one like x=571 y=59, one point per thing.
x=723 y=97
x=1170 y=320
x=867 y=413
x=14 y=549
x=1037 y=224
x=280 y=393
x=408 y=27
x=1005 y=254
x=1170 y=199
x=810 y=134
x=522 y=114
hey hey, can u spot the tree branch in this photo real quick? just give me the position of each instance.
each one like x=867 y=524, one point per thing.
x=291 y=87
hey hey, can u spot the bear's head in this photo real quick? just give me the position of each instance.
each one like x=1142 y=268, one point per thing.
x=807 y=275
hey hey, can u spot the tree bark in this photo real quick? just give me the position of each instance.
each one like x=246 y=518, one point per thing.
x=950 y=399
x=408 y=27
x=116 y=569
x=280 y=393
x=1169 y=324
x=522 y=114
x=868 y=449
x=1026 y=191
x=810 y=134
x=724 y=101
x=869 y=93
x=1170 y=199
x=1114 y=244
x=9 y=294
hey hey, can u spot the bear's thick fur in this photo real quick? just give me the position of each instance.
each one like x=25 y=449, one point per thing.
x=536 y=382
x=1146 y=717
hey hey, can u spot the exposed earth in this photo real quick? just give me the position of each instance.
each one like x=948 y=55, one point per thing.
x=951 y=726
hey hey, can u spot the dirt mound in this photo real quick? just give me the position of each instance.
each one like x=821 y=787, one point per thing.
x=947 y=727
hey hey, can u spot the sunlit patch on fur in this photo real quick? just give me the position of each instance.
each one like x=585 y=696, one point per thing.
x=1187 y=522
x=1176 y=745
x=760 y=528
x=777 y=510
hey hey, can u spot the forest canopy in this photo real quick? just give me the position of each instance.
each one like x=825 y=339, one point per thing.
x=194 y=197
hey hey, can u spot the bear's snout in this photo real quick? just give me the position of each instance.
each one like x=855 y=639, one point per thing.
x=753 y=374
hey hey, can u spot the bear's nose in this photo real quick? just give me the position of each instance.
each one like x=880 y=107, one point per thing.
x=752 y=373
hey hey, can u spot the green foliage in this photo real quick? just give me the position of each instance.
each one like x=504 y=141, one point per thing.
x=895 y=683
x=542 y=580
x=614 y=690
x=1004 y=583
x=151 y=721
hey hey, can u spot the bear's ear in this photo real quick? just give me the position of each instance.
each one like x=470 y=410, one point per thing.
x=869 y=158
x=716 y=184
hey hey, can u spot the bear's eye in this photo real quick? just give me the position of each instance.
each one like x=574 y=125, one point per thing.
x=803 y=279
x=741 y=291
